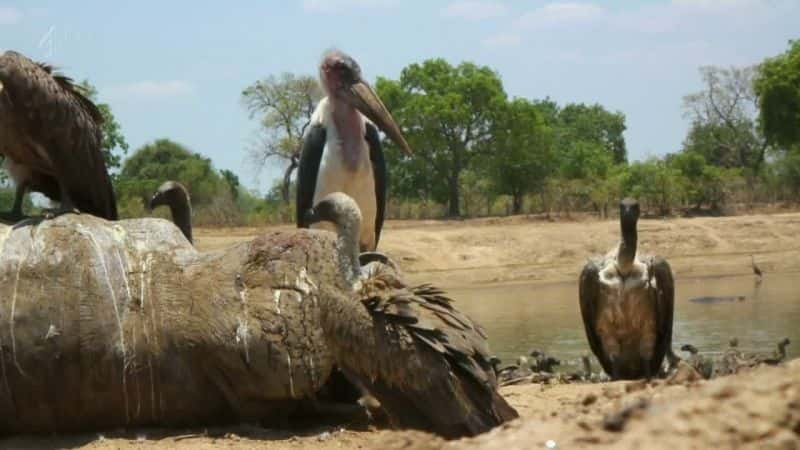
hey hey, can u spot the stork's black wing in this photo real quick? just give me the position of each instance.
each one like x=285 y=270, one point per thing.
x=664 y=306
x=589 y=292
x=380 y=176
x=53 y=130
x=310 y=157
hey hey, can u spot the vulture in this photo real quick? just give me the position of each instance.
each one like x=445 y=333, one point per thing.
x=626 y=303
x=51 y=138
x=175 y=196
x=342 y=150
x=416 y=330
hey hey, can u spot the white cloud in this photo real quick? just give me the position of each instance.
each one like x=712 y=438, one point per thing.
x=9 y=15
x=502 y=40
x=151 y=90
x=562 y=13
x=474 y=10
x=327 y=6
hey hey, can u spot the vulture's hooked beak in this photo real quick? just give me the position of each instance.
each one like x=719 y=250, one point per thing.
x=361 y=96
x=155 y=200
x=310 y=217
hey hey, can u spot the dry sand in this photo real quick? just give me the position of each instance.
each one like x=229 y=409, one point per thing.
x=479 y=251
x=757 y=409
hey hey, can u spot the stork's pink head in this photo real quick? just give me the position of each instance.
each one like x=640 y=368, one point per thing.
x=340 y=76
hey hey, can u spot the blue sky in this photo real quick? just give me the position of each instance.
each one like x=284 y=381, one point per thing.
x=176 y=69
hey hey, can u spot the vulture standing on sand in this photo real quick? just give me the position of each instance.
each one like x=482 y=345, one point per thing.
x=51 y=137
x=341 y=147
x=415 y=331
x=626 y=302
x=175 y=196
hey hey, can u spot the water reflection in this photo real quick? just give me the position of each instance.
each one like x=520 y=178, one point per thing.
x=523 y=317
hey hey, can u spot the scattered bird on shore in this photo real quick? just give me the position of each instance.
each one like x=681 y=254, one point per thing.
x=731 y=360
x=175 y=196
x=341 y=147
x=703 y=365
x=543 y=362
x=756 y=270
x=51 y=137
x=773 y=358
x=627 y=303
x=429 y=364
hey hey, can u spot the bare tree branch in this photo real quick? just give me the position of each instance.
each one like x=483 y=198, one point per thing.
x=284 y=106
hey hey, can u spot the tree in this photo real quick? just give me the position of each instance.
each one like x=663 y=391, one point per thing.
x=164 y=160
x=724 y=126
x=447 y=114
x=705 y=183
x=654 y=183
x=114 y=143
x=778 y=89
x=580 y=122
x=283 y=106
x=232 y=181
x=519 y=157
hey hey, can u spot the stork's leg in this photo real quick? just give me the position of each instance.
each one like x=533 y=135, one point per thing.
x=15 y=214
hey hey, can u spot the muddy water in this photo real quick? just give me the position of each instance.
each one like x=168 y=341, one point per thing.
x=522 y=317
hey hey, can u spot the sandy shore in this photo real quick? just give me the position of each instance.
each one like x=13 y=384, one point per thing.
x=515 y=249
x=757 y=409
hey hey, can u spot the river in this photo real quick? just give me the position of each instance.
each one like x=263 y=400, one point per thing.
x=522 y=317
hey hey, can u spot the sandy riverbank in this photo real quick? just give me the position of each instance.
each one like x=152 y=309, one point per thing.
x=479 y=251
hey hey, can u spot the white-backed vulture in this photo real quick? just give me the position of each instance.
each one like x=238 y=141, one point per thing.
x=627 y=302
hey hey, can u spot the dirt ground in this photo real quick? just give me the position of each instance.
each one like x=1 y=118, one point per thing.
x=480 y=251
x=756 y=409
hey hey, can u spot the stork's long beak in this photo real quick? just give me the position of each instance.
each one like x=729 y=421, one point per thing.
x=361 y=96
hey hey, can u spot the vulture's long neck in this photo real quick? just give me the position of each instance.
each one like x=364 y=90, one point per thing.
x=626 y=253
x=347 y=247
x=349 y=131
x=182 y=214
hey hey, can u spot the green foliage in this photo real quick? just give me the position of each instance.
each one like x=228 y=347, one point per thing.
x=724 y=120
x=788 y=171
x=114 y=144
x=7 y=201
x=705 y=184
x=232 y=181
x=654 y=183
x=519 y=157
x=594 y=124
x=447 y=113
x=164 y=160
x=778 y=89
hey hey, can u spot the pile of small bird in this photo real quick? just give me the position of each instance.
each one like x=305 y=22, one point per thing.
x=539 y=367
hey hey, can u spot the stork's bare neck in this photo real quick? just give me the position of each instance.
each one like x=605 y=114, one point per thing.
x=349 y=125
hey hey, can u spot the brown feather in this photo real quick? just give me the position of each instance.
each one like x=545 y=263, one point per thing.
x=51 y=128
x=440 y=379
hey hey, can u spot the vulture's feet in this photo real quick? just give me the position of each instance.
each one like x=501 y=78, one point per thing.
x=50 y=214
